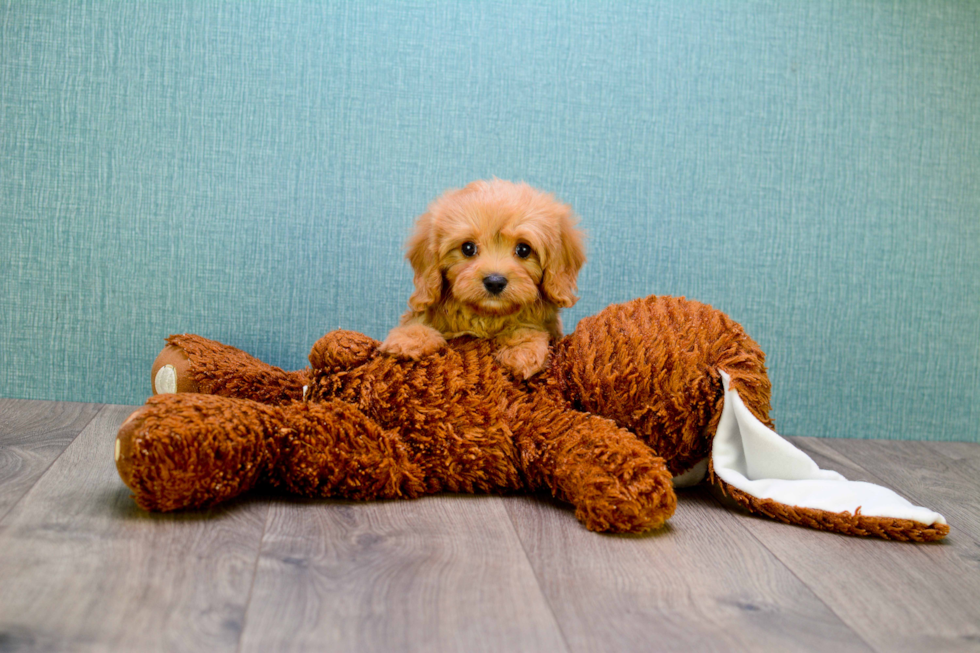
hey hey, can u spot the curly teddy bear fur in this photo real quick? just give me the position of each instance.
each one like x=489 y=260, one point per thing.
x=631 y=398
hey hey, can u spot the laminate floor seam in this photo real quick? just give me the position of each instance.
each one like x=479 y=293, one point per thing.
x=81 y=429
x=255 y=573
x=537 y=582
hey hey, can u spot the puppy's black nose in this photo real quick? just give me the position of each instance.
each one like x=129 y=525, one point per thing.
x=495 y=283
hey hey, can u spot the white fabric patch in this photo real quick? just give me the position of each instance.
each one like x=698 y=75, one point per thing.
x=165 y=381
x=753 y=458
x=693 y=476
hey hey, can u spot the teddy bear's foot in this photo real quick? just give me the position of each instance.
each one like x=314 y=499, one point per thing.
x=193 y=450
x=171 y=372
x=616 y=483
x=124 y=446
x=643 y=504
x=192 y=364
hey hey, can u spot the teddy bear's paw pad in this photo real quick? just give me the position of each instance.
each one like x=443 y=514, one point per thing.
x=165 y=381
x=171 y=372
x=123 y=454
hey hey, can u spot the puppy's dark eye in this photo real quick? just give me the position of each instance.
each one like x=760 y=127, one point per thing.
x=523 y=250
x=469 y=249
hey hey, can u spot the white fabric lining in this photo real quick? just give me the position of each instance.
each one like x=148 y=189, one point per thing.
x=691 y=476
x=166 y=380
x=753 y=458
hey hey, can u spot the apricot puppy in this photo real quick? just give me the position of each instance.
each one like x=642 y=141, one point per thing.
x=495 y=259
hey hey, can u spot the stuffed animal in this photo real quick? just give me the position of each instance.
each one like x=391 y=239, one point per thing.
x=641 y=397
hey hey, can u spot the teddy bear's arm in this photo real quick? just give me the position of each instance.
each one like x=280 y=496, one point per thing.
x=190 y=363
x=615 y=482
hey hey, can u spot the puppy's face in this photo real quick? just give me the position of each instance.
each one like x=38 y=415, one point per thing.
x=489 y=263
x=496 y=247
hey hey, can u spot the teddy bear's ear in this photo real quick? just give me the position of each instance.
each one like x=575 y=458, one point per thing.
x=422 y=252
x=767 y=474
x=562 y=266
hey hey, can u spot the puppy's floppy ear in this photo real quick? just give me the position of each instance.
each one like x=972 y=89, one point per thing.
x=422 y=253
x=561 y=269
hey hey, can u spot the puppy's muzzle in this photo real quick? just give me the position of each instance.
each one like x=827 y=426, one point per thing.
x=495 y=283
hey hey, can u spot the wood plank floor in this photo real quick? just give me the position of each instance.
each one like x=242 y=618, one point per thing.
x=83 y=569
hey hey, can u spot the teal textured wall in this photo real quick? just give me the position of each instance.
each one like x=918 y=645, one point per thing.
x=249 y=170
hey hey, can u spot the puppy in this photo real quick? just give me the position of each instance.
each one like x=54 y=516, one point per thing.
x=495 y=259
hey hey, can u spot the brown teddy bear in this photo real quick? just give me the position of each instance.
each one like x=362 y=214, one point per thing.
x=645 y=395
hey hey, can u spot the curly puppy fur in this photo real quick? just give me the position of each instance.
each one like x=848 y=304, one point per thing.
x=496 y=260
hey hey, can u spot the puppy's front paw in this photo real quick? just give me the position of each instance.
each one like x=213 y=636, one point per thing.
x=526 y=359
x=412 y=341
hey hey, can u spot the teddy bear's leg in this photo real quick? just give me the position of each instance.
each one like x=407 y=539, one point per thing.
x=192 y=450
x=615 y=482
x=190 y=363
x=650 y=365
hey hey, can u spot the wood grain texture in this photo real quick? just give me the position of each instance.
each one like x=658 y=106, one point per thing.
x=32 y=435
x=442 y=573
x=82 y=568
x=964 y=452
x=701 y=584
x=897 y=596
